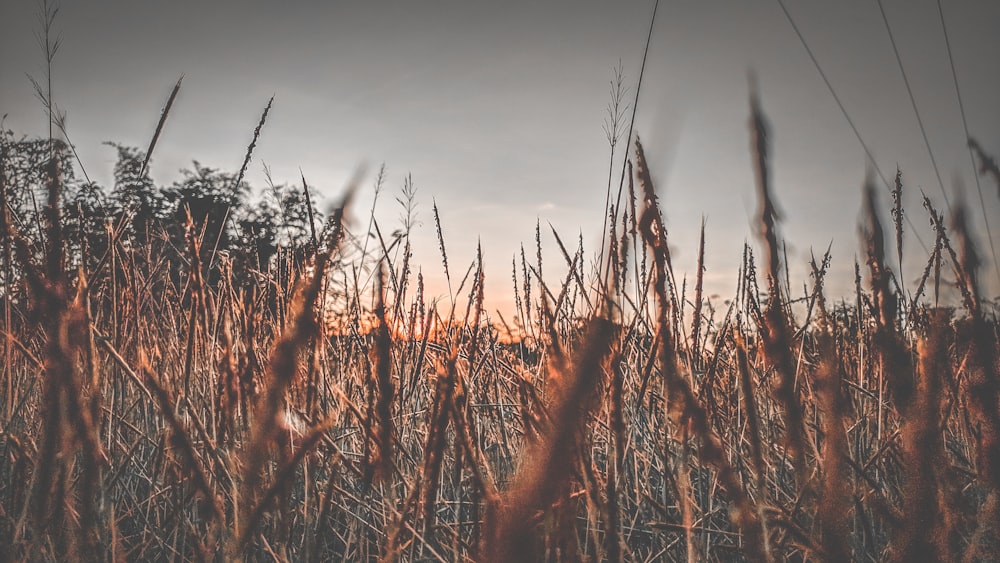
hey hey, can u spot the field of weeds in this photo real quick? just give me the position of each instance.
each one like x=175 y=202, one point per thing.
x=174 y=388
x=187 y=375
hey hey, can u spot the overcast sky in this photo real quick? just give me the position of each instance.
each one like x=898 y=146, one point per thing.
x=496 y=110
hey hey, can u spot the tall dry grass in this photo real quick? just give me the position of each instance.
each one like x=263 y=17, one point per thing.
x=353 y=418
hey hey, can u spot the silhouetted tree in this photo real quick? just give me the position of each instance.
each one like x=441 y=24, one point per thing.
x=88 y=223
x=214 y=203
x=135 y=196
x=24 y=164
x=258 y=242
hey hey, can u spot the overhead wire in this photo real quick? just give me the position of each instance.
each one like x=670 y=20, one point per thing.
x=635 y=103
x=847 y=116
x=631 y=125
x=968 y=137
x=913 y=102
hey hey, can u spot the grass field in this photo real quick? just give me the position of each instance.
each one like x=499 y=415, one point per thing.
x=189 y=375
x=160 y=406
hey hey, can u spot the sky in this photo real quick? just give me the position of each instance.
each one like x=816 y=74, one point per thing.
x=496 y=110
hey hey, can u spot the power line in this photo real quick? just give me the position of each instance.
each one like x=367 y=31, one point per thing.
x=847 y=116
x=635 y=103
x=965 y=128
x=913 y=102
x=631 y=127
